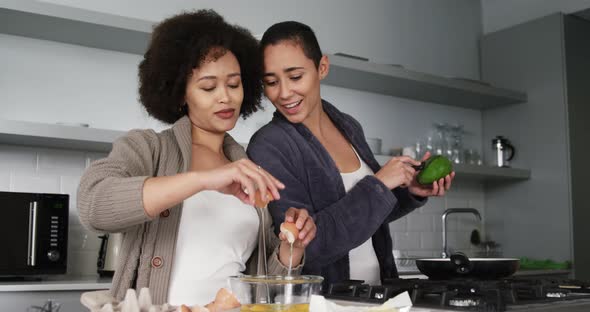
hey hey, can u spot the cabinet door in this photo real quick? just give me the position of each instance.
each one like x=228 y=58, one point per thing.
x=530 y=218
x=577 y=47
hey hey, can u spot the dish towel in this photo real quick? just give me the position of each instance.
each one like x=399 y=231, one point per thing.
x=399 y=303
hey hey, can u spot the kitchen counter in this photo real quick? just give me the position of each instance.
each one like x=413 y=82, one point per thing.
x=93 y=282
x=417 y=274
x=61 y=283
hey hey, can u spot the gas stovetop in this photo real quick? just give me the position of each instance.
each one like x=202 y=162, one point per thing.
x=520 y=293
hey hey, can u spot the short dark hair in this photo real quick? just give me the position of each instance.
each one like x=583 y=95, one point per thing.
x=180 y=44
x=296 y=32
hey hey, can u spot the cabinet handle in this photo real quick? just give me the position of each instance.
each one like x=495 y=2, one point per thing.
x=32 y=246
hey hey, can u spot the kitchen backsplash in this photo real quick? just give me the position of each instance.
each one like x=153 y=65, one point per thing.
x=30 y=169
x=43 y=170
x=419 y=234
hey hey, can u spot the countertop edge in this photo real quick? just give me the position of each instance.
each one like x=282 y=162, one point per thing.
x=542 y=272
x=94 y=283
x=518 y=273
x=66 y=284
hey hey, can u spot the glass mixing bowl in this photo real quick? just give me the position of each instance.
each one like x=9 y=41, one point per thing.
x=274 y=292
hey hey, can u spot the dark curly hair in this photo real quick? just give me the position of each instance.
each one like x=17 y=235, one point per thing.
x=180 y=44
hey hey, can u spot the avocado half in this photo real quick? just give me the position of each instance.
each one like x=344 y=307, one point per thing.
x=436 y=167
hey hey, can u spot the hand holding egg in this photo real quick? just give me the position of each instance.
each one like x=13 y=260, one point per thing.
x=300 y=225
x=290 y=231
x=260 y=202
x=241 y=179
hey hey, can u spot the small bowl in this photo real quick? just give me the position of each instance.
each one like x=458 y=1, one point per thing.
x=275 y=292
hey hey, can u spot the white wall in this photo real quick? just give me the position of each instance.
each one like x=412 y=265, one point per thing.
x=438 y=37
x=30 y=169
x=49 y=82
x=46 y=81
x=500 y=14
x=424 y=35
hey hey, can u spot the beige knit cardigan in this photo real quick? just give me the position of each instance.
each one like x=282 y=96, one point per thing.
x=110 y=200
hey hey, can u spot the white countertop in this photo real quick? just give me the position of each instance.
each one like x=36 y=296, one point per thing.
x=93 y=282
x=58 y=283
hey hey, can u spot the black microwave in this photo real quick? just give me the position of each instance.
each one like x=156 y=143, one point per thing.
x=34 y=231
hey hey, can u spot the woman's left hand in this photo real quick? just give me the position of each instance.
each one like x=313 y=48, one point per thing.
x=304 y=223
x=437 y=188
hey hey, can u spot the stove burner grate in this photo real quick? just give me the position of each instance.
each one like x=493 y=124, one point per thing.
x=464 y=294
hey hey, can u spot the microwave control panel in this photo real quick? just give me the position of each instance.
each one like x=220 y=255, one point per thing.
x=53 y=230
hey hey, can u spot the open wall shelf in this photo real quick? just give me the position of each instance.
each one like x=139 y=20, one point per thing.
x=104 y=31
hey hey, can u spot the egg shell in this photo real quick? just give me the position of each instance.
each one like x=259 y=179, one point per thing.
x=290 y=231
x=259 y=201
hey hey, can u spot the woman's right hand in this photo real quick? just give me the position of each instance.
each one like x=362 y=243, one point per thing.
x=397 y=172
x=241 y=179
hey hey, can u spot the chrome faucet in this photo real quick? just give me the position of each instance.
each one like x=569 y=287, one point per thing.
x=444 y=224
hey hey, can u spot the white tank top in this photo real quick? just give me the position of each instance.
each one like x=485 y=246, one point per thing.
x=363 y=260
x=216 y=236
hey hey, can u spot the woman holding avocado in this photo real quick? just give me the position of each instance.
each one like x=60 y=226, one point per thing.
x=321 y=156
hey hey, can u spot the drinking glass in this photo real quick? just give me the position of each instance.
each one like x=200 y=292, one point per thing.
x=455 y=143
x=420 y=148
x=439 y=138
x=472 y=157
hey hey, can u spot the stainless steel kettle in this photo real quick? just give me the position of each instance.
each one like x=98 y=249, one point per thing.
x=108 y=254
x=503 y=151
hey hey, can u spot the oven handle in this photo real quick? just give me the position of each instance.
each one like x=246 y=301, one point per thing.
x=32 y=246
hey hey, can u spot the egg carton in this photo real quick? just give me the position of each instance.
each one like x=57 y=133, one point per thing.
x=102 y=301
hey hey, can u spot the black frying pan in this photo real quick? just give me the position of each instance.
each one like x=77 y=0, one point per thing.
x=458 y=266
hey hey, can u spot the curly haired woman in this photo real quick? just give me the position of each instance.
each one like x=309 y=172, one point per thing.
x=184 y=197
